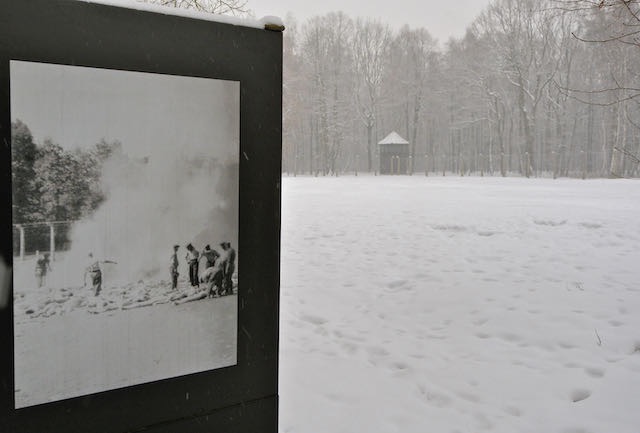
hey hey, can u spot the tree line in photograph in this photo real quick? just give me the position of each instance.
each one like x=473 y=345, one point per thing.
x=534 y=88
x=51 y=184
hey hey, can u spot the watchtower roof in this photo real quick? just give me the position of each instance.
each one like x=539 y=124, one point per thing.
x=393 y=138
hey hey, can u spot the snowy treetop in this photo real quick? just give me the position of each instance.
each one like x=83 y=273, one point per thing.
x=268 y=22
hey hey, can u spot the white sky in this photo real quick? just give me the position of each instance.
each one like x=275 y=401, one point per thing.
x=76 y=107
x=442 y=18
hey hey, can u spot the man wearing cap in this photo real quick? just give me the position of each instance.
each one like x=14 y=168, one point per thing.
x=210 y=255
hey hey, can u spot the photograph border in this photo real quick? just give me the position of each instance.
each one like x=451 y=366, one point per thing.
x=71 y=32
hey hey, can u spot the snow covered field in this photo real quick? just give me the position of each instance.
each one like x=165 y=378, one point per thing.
x=413 y=304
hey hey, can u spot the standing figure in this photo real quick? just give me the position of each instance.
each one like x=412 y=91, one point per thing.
x=210 y=255
x=173 y=268
x=42 y=266
x=229 y=268
x=94 y=271
x=193 y=257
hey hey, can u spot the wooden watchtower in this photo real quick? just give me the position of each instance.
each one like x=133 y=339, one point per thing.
x=394 y=154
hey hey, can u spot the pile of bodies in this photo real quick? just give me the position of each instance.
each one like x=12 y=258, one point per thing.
x=217 y=274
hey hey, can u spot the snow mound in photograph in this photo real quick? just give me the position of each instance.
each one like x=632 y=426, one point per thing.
x=47 y=302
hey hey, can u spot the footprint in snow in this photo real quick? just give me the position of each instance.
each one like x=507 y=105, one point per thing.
x=396 y=286
x=487 y=233
x=473 y=398
x=588 y=225
x=399 y=366
x=479 y=322
x=566 y=345
x=377 y=351
x=596 y=372
x=550 y=223
x=434 y=398
x=513 y=411
x=507 y=336
x=315 y=320
x=579 y=395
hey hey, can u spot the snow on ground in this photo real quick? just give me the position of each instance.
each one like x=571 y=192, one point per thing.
x=447 y=304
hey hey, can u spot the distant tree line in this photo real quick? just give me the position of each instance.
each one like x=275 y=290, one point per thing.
x=534 y=88
x=53 y=184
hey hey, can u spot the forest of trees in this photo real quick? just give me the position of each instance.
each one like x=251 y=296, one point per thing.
x=53 y=185
x=534 y=88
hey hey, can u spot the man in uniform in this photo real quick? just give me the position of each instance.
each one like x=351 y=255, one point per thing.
x=229 y=268
x=193 y=258
x=210 y=255
x=42 y=266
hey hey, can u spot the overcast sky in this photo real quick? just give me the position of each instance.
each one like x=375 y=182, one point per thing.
x=77 y=107
x=442 y=18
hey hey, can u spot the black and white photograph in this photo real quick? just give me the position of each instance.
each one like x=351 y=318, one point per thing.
x=125 y=228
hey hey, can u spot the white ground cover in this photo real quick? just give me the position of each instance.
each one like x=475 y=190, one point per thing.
x=448 y=304
x=69 y=342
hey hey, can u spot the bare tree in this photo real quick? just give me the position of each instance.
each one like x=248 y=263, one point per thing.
x=370 y=50
x=327 y=62
x=612 y=32
x=625 y=13
x=230 y=7
x=413 y=52
x=507 y=96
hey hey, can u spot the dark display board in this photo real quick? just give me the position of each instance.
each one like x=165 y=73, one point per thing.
x=139 y=248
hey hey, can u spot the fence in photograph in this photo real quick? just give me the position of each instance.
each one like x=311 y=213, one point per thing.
x=49 y=236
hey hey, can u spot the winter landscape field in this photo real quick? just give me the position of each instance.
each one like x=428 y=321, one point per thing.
x=460 y=304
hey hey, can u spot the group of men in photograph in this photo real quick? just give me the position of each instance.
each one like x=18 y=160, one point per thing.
x=219 y=268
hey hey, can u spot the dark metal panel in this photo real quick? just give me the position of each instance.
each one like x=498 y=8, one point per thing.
x=77 y=33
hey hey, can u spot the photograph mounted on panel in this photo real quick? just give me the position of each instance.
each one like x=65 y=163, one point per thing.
x=125 y=228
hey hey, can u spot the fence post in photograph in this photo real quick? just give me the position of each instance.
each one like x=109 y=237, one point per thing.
x=52 y=240
x=20 y=228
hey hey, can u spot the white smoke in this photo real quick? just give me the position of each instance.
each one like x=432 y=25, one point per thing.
x=151 y=205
